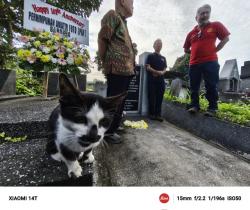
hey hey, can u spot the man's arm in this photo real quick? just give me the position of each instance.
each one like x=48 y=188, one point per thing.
x=163 y=72
x=108 y=26
x=152 y=70
x=187 y=44
x=102 y=48
x=222 y=44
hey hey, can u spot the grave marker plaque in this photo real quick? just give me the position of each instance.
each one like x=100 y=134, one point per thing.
x=132 y=103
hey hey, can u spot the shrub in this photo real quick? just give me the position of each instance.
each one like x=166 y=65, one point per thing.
x=233 y=112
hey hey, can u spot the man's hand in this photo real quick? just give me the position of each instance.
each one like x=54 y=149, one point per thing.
x=163 y=72
x=147 y=66
x=222 y=44
x=154 y=72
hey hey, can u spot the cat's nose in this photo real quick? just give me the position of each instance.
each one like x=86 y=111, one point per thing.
x=93 y=134
x=93 y=131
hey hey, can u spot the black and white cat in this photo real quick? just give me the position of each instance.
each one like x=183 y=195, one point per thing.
x=78 y=124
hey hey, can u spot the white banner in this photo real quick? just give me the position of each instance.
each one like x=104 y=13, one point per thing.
x=45 y=17
x=124 y=198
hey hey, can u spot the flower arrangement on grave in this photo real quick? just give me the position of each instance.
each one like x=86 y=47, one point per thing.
x=52 y=52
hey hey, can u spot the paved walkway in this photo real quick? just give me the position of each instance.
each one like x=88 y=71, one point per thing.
x=164 y=155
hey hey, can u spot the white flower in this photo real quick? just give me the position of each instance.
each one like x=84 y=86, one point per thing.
x=70 y=60
x=28 y=44
x=32 y=50
x=56 y=47
x=69 y=50
x=46 y=50
x=54 y=60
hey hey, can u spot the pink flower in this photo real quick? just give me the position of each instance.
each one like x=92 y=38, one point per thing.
x=62 y=62
x=24 y=39
x=31 y=59
x=60 y=50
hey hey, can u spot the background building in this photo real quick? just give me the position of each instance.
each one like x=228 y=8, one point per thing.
x=230 y=77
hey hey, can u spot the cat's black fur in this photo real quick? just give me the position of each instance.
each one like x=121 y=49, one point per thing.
x=78 y=124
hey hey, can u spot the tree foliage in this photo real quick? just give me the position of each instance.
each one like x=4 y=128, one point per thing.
x=181 y=64
x=79 y=7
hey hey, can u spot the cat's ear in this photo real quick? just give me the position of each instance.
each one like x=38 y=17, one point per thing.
x=66 y=87
x=115 y=101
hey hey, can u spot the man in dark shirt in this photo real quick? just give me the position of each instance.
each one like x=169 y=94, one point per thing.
x=156 y=66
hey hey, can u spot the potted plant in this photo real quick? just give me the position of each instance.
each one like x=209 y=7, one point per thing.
x=7 y=76
x=49 y=52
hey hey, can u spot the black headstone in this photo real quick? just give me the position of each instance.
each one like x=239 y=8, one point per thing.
x=53 y=83
x=133 y=99
x=247 y=63
x=7 y=82
x=245 y=70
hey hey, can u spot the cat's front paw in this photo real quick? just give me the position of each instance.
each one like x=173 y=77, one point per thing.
x=75 y=172
x=90 y=159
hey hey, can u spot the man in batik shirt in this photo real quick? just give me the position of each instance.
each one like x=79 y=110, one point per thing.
x=118 y=57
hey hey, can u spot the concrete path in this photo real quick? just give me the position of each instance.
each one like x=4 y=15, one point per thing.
x=164 y=155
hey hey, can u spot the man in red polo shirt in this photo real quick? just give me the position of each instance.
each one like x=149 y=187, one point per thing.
x=201 y=43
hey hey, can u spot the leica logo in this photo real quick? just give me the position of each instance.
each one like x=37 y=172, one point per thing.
x=164 y=198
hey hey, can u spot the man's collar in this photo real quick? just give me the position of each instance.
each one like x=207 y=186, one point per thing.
x=157 y=53
x=121 y=16
x=197 y=27
x=208 y=23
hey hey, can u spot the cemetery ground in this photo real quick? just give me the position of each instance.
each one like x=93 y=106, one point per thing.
x=162 y=155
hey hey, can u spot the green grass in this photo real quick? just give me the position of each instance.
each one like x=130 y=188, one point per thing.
x=233 y=112
x=5 y=138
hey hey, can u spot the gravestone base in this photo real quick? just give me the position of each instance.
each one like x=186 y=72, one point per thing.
x=53 y=82
x=7 y=82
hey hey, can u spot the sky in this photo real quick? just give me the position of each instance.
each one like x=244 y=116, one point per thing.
x=171 y=20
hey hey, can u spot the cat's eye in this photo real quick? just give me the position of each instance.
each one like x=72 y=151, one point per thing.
x=81 y=119
x=104 y=122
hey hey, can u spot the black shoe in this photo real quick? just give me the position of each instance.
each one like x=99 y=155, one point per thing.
x=159 y=118
x=210 y=113
x=121 y=129
x=113 y=139
x=193 y=110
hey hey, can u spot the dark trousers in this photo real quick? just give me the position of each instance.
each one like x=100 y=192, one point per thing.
x=209 y=71
x=116 y=85
x=156 y=89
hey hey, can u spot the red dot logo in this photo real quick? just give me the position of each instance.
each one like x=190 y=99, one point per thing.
x=164 y=198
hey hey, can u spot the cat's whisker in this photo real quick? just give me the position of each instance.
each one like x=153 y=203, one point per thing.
x=104 y=144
